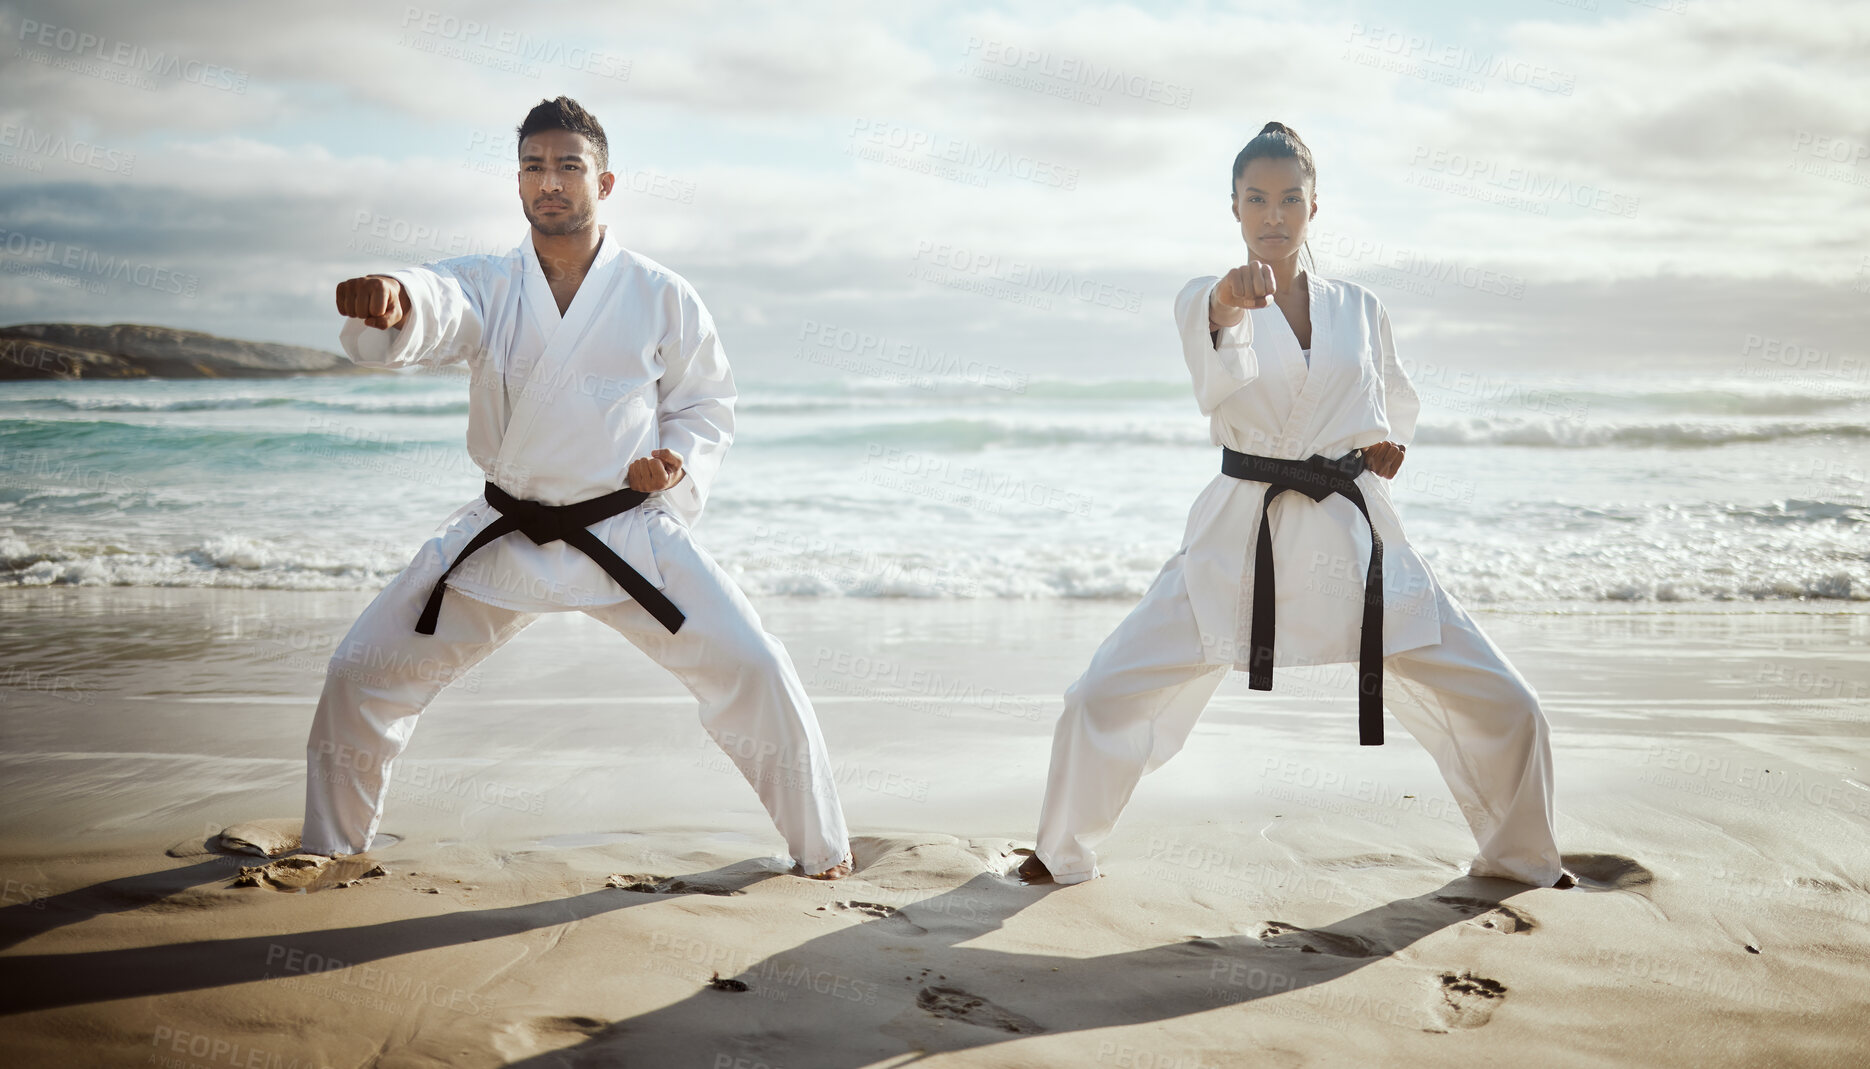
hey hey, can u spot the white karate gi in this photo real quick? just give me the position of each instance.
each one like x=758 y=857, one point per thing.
x=558 y=408
x=1443 y=679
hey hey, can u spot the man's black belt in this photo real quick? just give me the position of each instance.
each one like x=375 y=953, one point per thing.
x=551 y=523
x=1316 y=478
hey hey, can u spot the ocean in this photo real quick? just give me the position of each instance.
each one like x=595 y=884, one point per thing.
x=1521 y=491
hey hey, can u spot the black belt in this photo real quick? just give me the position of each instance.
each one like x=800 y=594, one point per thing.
x=550 y=523
x=1316 y=478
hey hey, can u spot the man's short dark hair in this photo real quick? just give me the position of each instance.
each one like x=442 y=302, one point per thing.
x=565 y=113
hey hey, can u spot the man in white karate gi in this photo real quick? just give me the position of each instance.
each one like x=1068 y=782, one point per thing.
x=600 y=406
x=1299 y=379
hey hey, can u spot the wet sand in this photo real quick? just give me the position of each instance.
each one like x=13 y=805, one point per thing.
x=574 y=861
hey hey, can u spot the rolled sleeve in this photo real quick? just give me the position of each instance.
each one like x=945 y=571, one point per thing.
x=1220 y=365
x=443 y=324
x=1401 y=405
x=695 y=405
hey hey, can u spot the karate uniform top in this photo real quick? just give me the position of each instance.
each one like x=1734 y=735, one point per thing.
x=1262 y=396
x=558 y=407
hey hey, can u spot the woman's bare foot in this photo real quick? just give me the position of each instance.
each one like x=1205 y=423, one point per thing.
x=835 y=872
x=1032 y=870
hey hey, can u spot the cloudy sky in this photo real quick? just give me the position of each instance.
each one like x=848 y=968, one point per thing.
x=1601 y=184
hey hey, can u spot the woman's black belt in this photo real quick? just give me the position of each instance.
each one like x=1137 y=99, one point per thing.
x=1316 y=478
x=550 y=523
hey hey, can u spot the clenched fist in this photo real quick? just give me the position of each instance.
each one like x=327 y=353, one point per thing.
x=1384 y=458
x=379 y=300
x=661 y=469
x=1248 y=286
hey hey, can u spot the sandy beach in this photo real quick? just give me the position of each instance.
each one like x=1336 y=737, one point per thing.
x=580 y=878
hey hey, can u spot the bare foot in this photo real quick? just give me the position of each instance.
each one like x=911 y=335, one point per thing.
x=835 y=872
x=1032 y=870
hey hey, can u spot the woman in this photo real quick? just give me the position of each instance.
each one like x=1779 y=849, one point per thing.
x=1299 y=378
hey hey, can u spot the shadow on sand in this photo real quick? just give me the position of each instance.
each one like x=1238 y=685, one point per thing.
x=896 y=982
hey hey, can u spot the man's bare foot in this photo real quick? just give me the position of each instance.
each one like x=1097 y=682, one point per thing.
x=1565 y=879
x=1032 y=870
x=835 y=872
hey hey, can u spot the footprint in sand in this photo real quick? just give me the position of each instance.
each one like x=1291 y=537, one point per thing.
x=274 y=837
x=958 y=1005
x=665 y=885
x=1609 y=872
x=1282 y=936
x=1493 y=916
x=873 y=909
x=888 y=914
x=1468 y=1001
x=306 y=873
x=524 y=1039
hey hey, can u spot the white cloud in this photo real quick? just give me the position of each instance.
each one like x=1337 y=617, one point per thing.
x=750 y=116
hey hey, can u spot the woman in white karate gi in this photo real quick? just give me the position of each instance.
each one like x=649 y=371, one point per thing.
x=599 y=387
x=1299 y=378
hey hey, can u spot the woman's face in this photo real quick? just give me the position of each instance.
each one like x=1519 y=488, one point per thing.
x=1274 y=204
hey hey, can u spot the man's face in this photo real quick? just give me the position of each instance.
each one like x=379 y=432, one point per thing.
x=559 y=184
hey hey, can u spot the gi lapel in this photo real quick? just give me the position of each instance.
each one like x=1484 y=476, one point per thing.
x=1308 y=385
x=554 y=370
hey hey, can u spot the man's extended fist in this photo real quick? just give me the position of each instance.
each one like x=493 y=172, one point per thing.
x=1384 y=458
x=378 y=300
x=661 y=469
x=1248 y=286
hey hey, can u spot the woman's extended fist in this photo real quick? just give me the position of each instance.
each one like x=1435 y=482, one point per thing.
x=1248 y=286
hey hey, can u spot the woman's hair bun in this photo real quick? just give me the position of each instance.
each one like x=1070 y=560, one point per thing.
x=1277 y=127
x=1275 y=140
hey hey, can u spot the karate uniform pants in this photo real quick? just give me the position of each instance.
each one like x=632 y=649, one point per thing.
x=752 y=702
x=1147 y=685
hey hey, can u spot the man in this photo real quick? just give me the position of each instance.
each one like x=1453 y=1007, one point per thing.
x=600 y=406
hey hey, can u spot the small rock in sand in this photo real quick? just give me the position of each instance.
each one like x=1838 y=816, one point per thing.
x=726 y=985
